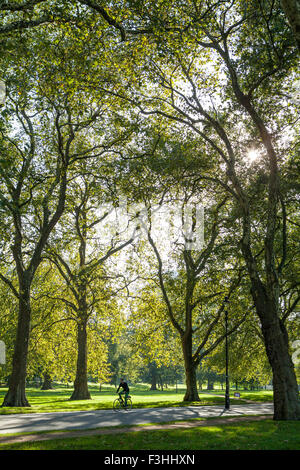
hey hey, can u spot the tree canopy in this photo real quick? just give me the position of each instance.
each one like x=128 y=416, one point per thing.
x=123 y=118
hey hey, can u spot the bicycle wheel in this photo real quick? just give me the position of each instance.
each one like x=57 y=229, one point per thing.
x=117 y=404
x=129 y=404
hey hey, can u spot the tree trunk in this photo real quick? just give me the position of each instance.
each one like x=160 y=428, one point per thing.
x=153 y=373
x=47 y=384
x=191 y=393
x=161 y=383
x=265 y=298
x=16 y=394
x=210 y=384
x=81 y=391
x=285 y=388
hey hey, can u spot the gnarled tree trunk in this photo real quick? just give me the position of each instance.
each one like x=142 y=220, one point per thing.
x=191 y=393
x=16 y=394
x=285 y=389
x=81 y=391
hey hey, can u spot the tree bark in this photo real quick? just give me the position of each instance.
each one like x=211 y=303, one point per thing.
x=191 y=393
x=16 y=394
x=285 y=389
x=81 y=391
x=47 y=384
x=153 y=373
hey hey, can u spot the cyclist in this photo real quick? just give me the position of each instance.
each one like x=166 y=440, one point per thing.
x=125 y=390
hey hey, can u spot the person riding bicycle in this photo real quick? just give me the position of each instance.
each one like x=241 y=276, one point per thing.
x=125 y=390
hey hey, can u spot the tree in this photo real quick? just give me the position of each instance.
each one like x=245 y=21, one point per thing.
x=180 y=275
x=34 y=178
x=265 y=289
x=22 y=199
x=83 y=269
x=225 y=36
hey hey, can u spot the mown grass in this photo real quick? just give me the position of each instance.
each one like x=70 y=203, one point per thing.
x=246 y=435
x=58 y=399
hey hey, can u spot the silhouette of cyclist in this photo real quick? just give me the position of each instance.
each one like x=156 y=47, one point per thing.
x=125 y=390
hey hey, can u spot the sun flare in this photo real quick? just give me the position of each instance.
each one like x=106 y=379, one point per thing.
x=252 y=155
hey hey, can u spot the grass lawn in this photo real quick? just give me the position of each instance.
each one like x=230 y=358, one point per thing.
x=58 y=399
x=259 y=435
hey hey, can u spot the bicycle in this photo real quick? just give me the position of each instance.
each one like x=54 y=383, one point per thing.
x=119 y=403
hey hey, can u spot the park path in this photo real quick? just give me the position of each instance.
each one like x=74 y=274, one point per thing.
x=107 y=420
x=115 y=430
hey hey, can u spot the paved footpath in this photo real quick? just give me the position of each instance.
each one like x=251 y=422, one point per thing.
x=82 y=420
